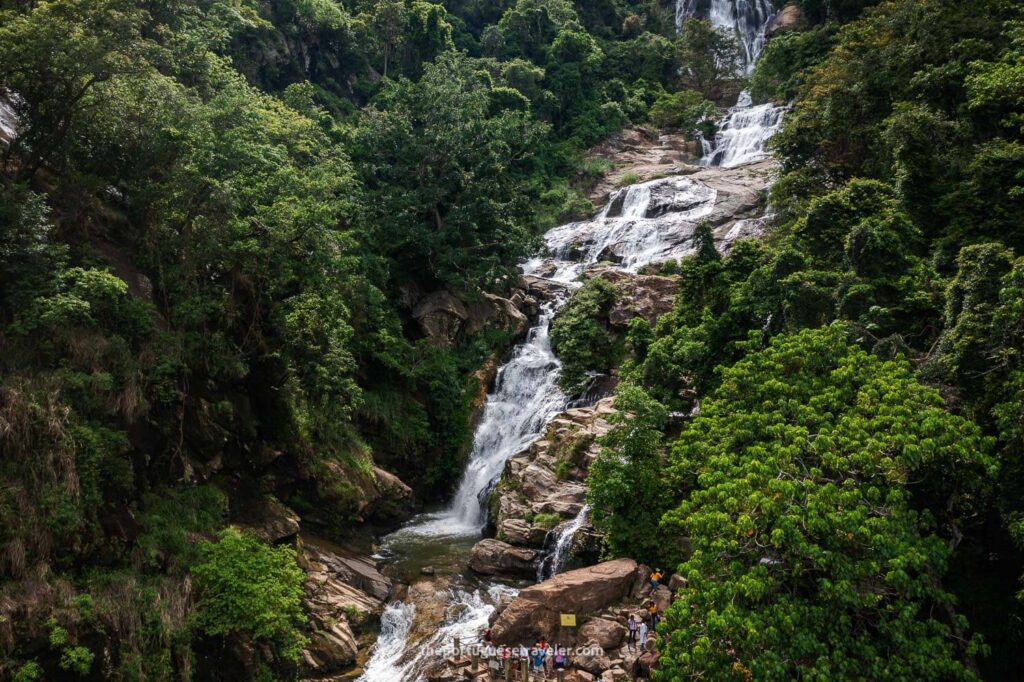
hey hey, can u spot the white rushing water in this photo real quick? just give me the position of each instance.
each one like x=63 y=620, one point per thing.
x=641 y=224
x=8 y=117
x=747 y=20
x=743 y=134
x=553 y=564
x=744 y=131
x=466 y=617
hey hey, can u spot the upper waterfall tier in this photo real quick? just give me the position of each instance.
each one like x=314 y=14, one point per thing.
x=743 y=134
x=746 y=19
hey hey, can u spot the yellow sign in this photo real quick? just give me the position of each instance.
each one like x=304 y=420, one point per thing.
x=568 y=620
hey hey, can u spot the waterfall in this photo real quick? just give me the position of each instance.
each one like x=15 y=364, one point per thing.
x=8 y=117
x=745 y=130
x=564 y=535
x=642 y=224
x=525 y=398
x=394 y=661
x=743 y=134
x=747 y=20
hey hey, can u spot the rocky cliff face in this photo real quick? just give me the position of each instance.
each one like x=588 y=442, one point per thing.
x=542 y=489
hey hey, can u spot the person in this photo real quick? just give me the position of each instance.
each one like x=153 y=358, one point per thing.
x=559 y=658
x=506 y=655
x=487 y=637
x=538 y=658
x=643 y=634
x=656 y=577
x=631 y=632
x=652 y=609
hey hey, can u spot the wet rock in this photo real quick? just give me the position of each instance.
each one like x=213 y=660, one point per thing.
x=536 y=610
x=493 y=557
x=543 y=289
x=483 y=379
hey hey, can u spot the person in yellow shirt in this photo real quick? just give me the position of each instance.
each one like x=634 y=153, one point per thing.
x=656 y=577
x=652 y=611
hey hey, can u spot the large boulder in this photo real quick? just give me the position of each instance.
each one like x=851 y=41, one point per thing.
x=790 y=18
x=440 y=315
x=271 y=520
x=543 y=289
x=605 y=632
x=591 y=658
x=493 y=557
x=646 y=296
x=490 y=311
x=536 y=610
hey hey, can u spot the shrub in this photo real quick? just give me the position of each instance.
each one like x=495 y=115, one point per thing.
x=248 y=587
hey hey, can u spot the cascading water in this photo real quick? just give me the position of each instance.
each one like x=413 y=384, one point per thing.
x=392 y=659
x=742 y=134
x=525 y=398
x=8 y=117
x=641 y=224
x=563 y=538
x=747 y=20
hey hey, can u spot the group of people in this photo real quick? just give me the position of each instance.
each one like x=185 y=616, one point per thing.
x=541 y=657
x=637 y=630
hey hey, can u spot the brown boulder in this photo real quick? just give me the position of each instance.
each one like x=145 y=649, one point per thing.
x=492 y=557
x=591 y=658
x=272 y=521
x=493 y=311
x=790 y=18
x=646 y=296
x=536 y=611
x=440 y=316
x=605 y=632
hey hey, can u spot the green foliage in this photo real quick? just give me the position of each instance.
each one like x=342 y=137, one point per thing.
x=29 y=672
x=547 y=521
x=685 y=110
x=627 y=486
x=173 y=518
x=782 y=66
x=421 y=148
x=248 y=587
x=578 y=336
x=811 y=506
x=708 y=57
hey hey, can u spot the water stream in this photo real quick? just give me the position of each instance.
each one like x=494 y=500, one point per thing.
x=563 y=537
x=642 y=224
